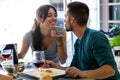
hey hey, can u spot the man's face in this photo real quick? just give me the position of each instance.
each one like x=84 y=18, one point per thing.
x=68 y=24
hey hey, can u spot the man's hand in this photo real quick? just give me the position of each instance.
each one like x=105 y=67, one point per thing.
x=75 y=72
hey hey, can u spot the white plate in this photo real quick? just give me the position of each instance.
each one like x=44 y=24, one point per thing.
x=40 y=73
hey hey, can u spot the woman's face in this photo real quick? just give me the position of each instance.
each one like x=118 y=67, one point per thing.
x=51 y=19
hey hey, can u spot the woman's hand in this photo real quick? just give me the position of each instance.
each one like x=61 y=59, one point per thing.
x=61 y=45
x=59 y=38
x=75 y=72
x=50 y=64
x=54 y=34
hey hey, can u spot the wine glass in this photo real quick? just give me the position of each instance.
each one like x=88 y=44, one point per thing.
x=38 y=58
x=59 y=30
x=6 y=53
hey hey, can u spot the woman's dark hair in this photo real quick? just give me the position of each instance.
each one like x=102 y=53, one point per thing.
x=42 y=12
x=79 y=11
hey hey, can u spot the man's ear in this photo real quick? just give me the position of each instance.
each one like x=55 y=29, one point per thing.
x=72 y=19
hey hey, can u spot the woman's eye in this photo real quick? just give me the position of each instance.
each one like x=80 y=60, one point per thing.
x=50 y=15
x=55 y=15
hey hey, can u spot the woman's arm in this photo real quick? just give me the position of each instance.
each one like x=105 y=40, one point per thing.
x=23 y=50
x=51 y=64
x=61 y=45
x=62 y=51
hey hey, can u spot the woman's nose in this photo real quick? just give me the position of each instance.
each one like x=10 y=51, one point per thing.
x=54 y=17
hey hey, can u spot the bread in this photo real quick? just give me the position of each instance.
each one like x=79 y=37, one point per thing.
x=46 y=77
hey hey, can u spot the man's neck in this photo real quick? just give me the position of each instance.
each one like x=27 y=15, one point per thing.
x=79 y=31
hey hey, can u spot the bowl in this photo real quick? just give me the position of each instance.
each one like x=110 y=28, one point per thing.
x=8 y=66
x=21 y=65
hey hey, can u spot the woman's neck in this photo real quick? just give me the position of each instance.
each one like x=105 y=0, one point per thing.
x=45 y=32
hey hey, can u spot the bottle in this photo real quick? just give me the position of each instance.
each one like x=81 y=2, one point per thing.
x=116 y=13
x=15 y=57
x=116 y=1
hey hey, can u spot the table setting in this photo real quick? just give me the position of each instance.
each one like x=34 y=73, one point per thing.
x=20 y=69
x=32 y=73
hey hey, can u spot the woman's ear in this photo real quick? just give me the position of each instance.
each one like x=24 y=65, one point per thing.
x=40 y=20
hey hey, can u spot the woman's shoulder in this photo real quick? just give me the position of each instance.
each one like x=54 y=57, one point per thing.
x=27 y=34
x=27 y=37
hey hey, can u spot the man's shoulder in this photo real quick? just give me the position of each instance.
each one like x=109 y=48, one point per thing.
x=95 y=32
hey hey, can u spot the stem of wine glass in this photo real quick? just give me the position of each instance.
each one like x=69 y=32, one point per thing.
x=38 y=69
x=5 y=59
x=19 y=77
x=41 y=67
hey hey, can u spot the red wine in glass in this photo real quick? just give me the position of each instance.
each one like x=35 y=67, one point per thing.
x=38 y=64
x=38 y=58
x=6 y=55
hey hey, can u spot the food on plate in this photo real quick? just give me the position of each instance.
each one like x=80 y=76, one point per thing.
x=48 y=72
x=9 y=69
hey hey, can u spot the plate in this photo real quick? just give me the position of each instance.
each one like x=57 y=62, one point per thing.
x=45 y=71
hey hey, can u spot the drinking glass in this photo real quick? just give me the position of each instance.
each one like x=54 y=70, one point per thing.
x=20 y=68
x=6 y=53
x=38 y=58
x=59 y=30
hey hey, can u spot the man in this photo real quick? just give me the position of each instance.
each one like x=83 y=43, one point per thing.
x=93 y=56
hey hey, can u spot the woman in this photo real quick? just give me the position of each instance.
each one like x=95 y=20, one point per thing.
x=43 y=36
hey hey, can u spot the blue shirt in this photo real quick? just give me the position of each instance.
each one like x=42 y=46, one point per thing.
x=94 y=51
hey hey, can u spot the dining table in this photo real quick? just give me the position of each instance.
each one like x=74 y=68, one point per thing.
x=5 y=76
